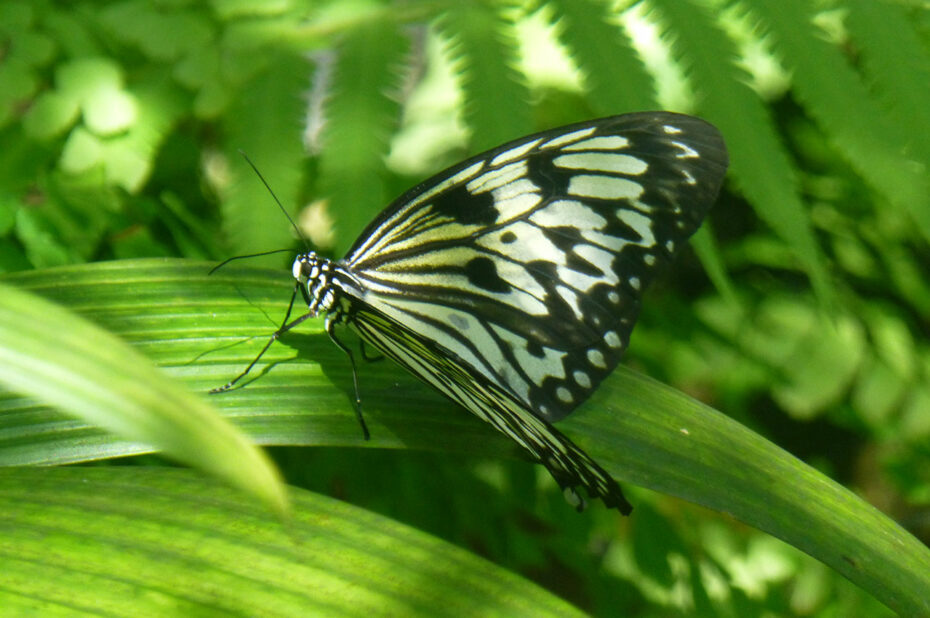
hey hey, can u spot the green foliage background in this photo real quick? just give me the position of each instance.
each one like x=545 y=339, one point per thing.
x=803 y=312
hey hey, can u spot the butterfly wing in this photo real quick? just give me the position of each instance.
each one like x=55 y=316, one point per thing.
x=526 y=263
x=569 y=465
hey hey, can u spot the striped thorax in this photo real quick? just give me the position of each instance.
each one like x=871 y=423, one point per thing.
x=314 y=275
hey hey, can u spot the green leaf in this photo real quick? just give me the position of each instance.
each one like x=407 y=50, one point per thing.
x=584 y=28
x=897 y=62
x=484 y=49
x=85 y=78
x=759 y=163
x=50 y=115
x=17 y=83
x=361 y=114
x=129 y=159
x=131 y=541
x=159 y=34
x=262 y=122
x=65 y=361
x=204 y=330
x=837 y=98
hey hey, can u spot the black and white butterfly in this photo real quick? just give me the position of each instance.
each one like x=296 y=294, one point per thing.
x=511 y=281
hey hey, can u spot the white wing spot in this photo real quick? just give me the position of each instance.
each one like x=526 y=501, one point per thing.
x=670 y=245
x=687 y=152
x=643 y=207
x=649 y=259
x=600 y=259
x=514 y=200
x=689 y=179
x=563 y=212
x=612 y=339
x=602 y=162
x=533 y=245
x=634 y=283
x=613 y=297
x=605 y=142
x=513 y=153
x=563 y=394
x=569 y=296
x=614 y=243
x=536 y=369
x=495 y=179
x=453 y=180
x=581 y=281
x=604 y=187
x=671 y=130
x=568 y=138
x=597 y=359
x=525 y=293
x=582 y=379
x=510 y=374
x=411 y=313
x=640 y=223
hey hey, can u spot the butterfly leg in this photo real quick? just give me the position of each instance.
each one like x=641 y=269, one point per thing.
x=331 y=321
x=285 y=326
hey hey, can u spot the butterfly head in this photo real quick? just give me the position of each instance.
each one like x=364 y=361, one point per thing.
x=314 y=278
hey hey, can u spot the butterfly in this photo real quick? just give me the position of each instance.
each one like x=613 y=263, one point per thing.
x=511 y=281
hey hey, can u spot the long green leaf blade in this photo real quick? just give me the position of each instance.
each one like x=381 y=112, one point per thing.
x=151 y=541
x=65 y=361
x=642 y=432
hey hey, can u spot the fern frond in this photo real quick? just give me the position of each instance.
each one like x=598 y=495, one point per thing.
x=360 y=118
x=897 y=64
x=264 y=122
x=484 y=51
x=758 y=161
x=836 y=97
x=614 y=75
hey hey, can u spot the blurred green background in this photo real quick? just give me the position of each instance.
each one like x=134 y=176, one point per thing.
x=802 y=310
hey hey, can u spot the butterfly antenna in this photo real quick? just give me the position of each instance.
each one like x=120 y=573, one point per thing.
x=277 y=201
x=242 y=257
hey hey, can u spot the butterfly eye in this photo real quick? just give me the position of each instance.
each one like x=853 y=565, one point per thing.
x=298 y=269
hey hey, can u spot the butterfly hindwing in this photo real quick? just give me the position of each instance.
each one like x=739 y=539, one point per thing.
x=526 y=263
x=570 y=466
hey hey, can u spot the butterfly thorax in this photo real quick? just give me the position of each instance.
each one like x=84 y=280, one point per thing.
x=319 y=281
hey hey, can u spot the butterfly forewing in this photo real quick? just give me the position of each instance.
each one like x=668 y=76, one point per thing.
x=524 y=266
